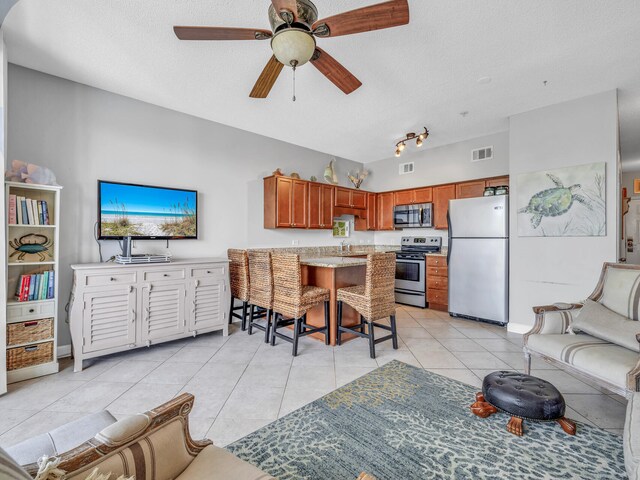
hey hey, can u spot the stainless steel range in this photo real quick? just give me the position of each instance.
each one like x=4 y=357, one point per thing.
x=411 y=269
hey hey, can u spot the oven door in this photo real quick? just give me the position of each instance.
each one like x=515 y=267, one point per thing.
x=410 y=274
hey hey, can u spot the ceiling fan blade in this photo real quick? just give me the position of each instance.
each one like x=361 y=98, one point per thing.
x=267 y=78
x=287 y=6
x=375 y=17
x=334 y=71
x=220 y=33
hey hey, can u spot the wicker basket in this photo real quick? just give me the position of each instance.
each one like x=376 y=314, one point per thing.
x=29 y=356
x=29 y=332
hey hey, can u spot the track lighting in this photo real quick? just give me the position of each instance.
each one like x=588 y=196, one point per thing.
x=401 y=145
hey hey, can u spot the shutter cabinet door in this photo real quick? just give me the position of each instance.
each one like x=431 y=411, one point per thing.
x=206 y=304
x=163 y=311
x=109 y=319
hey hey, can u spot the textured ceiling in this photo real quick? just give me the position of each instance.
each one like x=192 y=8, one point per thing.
x=422 y=74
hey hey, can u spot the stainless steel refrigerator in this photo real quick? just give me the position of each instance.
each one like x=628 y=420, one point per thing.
x=479 y=258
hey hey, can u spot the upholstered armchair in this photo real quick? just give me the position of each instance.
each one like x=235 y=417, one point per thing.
x=595 y=339
x=154 y=445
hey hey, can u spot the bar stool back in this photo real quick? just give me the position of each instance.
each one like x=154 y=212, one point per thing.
x=239 y=279
x=374 y=300
x=291 y=299
x=261 y=290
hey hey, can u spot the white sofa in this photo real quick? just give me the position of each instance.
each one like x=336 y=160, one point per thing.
x=595 y=339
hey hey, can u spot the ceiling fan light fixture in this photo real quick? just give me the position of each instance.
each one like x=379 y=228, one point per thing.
x=293 y=46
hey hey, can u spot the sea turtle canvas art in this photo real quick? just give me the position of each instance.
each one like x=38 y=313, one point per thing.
x=562 y=202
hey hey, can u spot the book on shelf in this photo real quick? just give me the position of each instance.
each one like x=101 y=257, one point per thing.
x=13 y=218
x=27 y=211
x=39 y=286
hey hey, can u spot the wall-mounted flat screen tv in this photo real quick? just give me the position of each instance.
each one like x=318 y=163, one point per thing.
x=146 y=212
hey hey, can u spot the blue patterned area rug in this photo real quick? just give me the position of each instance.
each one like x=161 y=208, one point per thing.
x=402 y=422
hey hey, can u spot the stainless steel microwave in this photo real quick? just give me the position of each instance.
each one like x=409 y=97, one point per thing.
x=413 y=216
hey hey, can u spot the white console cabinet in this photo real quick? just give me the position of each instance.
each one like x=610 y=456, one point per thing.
x=121 y=307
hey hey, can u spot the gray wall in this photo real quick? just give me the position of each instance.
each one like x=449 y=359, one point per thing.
x=84 y=134
x=449 y=163
x=561 y=269
x=3 y=151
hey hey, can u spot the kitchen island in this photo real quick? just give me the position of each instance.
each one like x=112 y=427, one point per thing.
x=333 y=273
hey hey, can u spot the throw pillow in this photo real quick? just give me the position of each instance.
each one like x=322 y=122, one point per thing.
x=597 y=320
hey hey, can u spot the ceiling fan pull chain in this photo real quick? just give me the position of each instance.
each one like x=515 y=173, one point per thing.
x=294 y=63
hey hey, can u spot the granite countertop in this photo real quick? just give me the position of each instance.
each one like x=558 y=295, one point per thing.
x=333 y=262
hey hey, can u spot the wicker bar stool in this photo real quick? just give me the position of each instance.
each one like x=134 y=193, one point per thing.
x=374 y=300
x=291 y=299
x=261 y=290
x=239 y=278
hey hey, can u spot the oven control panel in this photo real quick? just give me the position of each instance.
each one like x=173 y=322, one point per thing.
x=430 y=242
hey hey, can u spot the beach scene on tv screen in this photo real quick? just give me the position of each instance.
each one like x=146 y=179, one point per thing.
x=128 y=210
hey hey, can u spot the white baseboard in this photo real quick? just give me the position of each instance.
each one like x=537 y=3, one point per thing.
x=64 y=351
x=520 y=328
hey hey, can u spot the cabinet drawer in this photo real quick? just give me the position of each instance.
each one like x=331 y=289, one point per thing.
x=437 y=271
x=438 y=283
x=441 y=297
x=30 y=310
x=210 y=271
x=110 y=279
x=30 y=331
x=174 y=274
x=29 y=356
x=436 y=261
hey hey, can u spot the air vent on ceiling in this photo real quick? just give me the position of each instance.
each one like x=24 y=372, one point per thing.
x=405 y=168
x=480 y=154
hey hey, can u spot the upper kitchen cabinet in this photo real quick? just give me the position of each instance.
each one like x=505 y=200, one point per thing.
x=498 y=181
x=385 y=211
x=348 y=198
x=470 y=189
x=371 y=222
x=321 y=206
x=285 y=202
x=441 y=197
x=411 y=197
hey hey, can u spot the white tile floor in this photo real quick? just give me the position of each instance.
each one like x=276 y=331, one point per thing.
x=241 y=384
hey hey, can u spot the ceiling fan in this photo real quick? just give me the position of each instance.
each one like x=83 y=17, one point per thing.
x=294 y=28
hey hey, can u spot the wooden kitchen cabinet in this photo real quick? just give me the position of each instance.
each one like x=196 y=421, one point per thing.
x=385 y=211
x=423 y=195
x=411 y=197
x=320 y=206
x=358 y=199
x=498 y=181
x=348 y=198
x=371 y=220
x=437 y=282
x=285 y=202
x=470 y=189
x=441 y=197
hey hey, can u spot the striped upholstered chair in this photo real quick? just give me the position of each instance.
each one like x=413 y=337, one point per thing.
x=239 y=279
x=155 y=445
x=374 y=300
x=598 y=339
x=292 y=301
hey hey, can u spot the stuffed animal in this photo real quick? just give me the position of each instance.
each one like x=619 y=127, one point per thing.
x=29 y=173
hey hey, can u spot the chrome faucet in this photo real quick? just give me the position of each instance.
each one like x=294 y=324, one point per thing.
x=344 y=244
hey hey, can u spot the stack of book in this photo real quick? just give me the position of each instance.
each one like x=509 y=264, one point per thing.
x=26 y=211
x=39 y=286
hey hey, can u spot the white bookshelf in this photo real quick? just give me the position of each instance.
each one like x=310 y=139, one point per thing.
x=32 y=313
